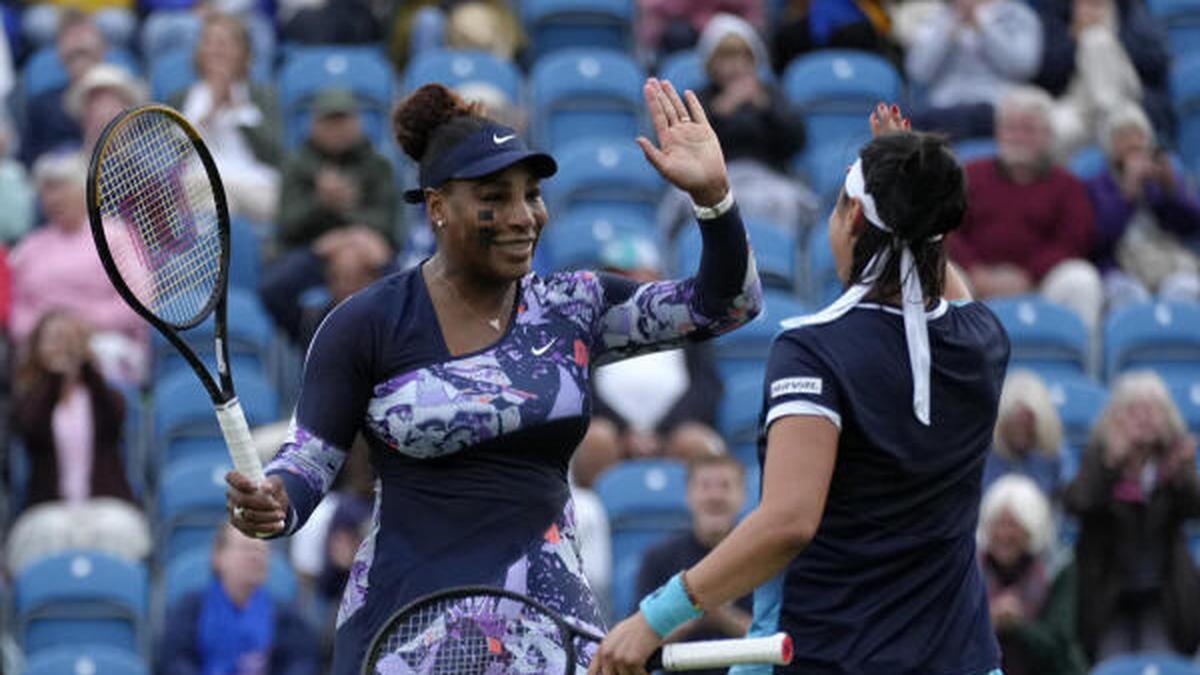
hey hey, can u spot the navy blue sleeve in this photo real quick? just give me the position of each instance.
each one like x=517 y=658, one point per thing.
x=799 y=381
x=334 y=392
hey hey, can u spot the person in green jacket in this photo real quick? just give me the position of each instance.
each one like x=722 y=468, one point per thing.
x=336 y=213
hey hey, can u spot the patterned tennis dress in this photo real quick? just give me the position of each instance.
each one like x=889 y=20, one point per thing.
x=471 y=451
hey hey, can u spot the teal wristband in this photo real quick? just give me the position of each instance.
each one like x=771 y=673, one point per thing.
x=668 y=607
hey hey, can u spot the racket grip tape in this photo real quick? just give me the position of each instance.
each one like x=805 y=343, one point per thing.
x=773 y=649
x=237 y=437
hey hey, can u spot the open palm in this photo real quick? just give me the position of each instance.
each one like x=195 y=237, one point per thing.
x=688 y=153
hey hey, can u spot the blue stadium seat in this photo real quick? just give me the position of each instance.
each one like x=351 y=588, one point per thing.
x=645 y=503
x=250 y=331
x=837 y=88
x=1046 y=337
x=43 y=70
x=85 y=660
x=455 y=67
x=684 y=70
x=1163 y=336
x=1184 y=80
x=1079 y=401
x=555 y=25
x=576 y=239
x=585 y=93
x=81 y=598
x=823 y=283
x=191 y=570
x=362 y=70
x=184 y=421
x=173 y=71
x=824 y=164
x=1182 y=20
x=1146 y=664
x=775 y=253
x=611 y=176
x=737 y=416
x=972 y=149
x=1088 y=162
x=750 y=343
x=1186 y=395
x=191 y=505
x=244 y=261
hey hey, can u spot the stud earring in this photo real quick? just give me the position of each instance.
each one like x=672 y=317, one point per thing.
x=439 y=224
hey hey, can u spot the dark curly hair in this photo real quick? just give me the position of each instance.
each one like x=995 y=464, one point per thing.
x=432 y=120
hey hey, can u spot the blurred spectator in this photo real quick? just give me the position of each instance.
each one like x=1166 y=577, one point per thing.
x=70 y=422
x=115 y=19
x=1029 y=433
x=751 y=117
x=337 y=211
x=1029 y=223
x=808 y=25
x=234 y=625
x=496 y=102
x=239 y=118
x=56 y=266
x=180 y=26
x=484 y=25
x=331 y=21
x=80 y=46
x=660 y=404
x=715 y=493
x=16 y=192
x=1090 y=47
x=1144 y=207
x=103 y=93
x=667 y=26
x=1033 y=622
x=968 y=54
x=1135 y=493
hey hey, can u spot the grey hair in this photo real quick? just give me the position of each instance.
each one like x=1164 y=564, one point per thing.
x=1026 y=99
x=1022 y=498
x=1140 y=384
x=1025 y=387
x=60 y=166
x=1126 y=115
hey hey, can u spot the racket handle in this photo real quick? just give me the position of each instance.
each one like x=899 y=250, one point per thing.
x=774 y=649
x=237 y=437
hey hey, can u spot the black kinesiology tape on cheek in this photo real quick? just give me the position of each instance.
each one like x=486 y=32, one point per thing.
x=486 y=215
x=486 y=236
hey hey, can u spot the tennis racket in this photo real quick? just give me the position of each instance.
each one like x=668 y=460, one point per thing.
x=158 y=215
x=477 y=630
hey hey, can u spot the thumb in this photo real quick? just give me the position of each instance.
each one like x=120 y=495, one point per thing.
x=653 y=155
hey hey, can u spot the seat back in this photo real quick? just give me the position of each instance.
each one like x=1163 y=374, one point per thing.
x=835 y=89
x=555 y=25
x=1162 y=336
x=592 y=92
x=1045 y=336
x=456 y=67
x=606 y=175
x=85 y=660
x=364 y=71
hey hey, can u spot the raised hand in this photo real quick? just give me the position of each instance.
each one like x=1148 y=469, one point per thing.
x=888 y=119
x=688 y=153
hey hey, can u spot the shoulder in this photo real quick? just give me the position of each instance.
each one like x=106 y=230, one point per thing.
x=262 y=95
x=1065 y=180
x=976 y=318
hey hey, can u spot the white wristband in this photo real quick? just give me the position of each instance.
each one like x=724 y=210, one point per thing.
x=715 y=211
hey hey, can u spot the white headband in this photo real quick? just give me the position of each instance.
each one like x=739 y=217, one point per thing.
x=916 y=331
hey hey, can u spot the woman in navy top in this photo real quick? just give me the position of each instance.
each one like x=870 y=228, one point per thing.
x=469 y=376
x=877 y=418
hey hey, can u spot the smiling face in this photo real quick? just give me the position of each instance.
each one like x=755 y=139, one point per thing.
x=490 y=225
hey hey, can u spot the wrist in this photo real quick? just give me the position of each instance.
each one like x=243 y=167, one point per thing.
x=711 y=210
x=709 y=197
x=668 y=607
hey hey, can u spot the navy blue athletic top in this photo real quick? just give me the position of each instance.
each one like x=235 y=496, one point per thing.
x=471 y=451
x=889 y=585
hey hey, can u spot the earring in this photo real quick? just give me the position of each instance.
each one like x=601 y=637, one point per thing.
x=439 y=224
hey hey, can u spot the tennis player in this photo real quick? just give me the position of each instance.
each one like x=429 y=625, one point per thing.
x=877 y=417
x=470 y=377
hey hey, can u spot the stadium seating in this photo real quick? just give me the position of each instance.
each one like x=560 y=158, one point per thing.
x=1046 y=337
x=1186 y=395
x=244 y=261
x=456 y=67
x=1164 y=337
x=645 y=503
x=737 y=416
x=1182 y=19
x=824 y=164
x=191 y=505
x=249 y=329
x=173 y=71
x=1146 y=664
x=184 y=422
x=822 y=282
x=775 y=253
x=972 y=149
x=81 y=598
x=1088 y=162
x=836 y=89
x=609 y=175
x=44 y=71
x=594 y=93
x=361 y=70
x=1079 y=401
x=191 y=570
x=85 y=660
x=555 y=25
x=684 y=70
x=575 y=239
x=1185 y=93
x=748 y=345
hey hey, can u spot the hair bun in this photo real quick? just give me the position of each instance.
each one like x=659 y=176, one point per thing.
x=419 y=115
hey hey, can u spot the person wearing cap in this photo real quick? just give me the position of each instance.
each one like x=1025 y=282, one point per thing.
x=877 y=419
x=470 y=376
x=337 y=209
x=104 y=92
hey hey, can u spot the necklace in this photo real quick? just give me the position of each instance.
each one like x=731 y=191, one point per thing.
x=494 y=322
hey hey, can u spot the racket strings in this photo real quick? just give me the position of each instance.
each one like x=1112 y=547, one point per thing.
x=161 y=220
x=474 y=635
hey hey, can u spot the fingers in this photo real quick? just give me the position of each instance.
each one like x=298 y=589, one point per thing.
x=653 y=154
x=252 y=509
x=694 y=108
x=681 y=112
x=658 y=116
x=664 y=102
